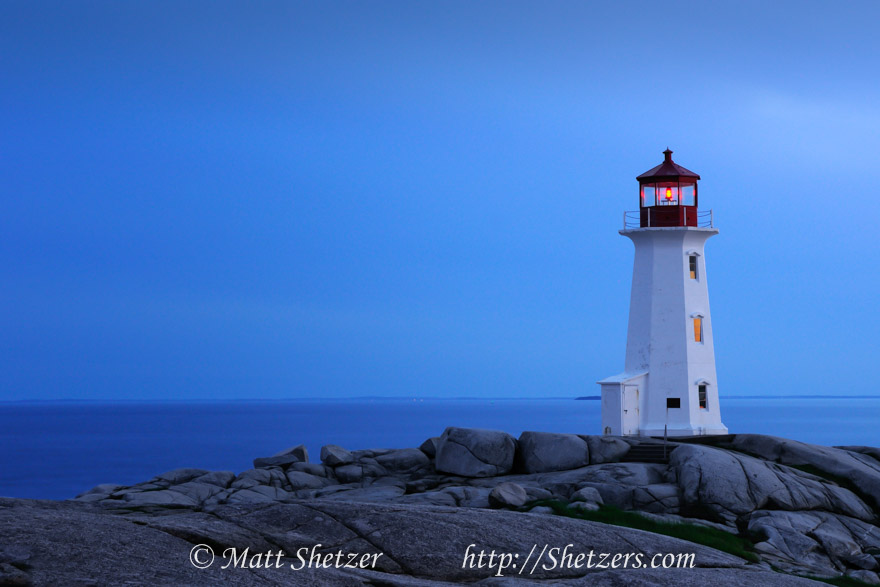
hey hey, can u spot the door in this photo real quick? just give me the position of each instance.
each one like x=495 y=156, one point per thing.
x=630 y=409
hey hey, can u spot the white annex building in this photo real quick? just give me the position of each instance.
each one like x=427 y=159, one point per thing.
x=668 y=384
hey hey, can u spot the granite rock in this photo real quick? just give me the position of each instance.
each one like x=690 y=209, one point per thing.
x=472 y=452
x=542 y=452
x=507 y=495
x=335 y=456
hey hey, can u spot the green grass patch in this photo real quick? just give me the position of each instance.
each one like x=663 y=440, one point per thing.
x=711 y=537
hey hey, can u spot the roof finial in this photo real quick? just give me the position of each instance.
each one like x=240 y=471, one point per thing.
x=667 y=154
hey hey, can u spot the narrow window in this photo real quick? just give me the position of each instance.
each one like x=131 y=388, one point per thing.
x=693 y=266
x=704 y=401
x=698 y=329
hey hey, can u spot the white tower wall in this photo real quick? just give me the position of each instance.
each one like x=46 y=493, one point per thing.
x=663 y=359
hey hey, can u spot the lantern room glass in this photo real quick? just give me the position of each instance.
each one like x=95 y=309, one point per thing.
x=688 y=193
x=648 y=195
x=669 y=193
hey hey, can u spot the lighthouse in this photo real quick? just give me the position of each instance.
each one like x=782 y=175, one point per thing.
x=668 y=385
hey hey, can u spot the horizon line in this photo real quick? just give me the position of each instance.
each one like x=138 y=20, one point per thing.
x=387 y=397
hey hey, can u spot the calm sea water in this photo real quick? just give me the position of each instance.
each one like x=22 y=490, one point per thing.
x=55 y=451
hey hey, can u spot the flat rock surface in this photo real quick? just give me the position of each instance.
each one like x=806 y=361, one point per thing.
x=66 y=543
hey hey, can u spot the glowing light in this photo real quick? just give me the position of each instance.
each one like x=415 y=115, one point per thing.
x=668 y=193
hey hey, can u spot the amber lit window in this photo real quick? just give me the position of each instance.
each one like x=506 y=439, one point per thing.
x=693 y=266
x=698 y=329
x=704 y=400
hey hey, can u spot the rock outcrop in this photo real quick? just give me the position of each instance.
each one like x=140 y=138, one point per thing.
x=733 y=484
x=806 y=509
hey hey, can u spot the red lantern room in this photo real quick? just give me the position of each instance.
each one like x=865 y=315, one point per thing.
x=668 y=195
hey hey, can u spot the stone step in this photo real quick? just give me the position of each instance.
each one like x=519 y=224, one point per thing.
x=648 y=453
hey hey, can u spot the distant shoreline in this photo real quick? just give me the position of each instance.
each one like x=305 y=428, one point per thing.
x=22 y=402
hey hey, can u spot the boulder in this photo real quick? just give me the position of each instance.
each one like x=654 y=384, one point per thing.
x=859 y=467
x=335 y=456
x=253 y=477
x=349 y=473
x=507 y=495
x=732 y=484
x=299 y=451
x=614 y=481
x=282 y=461
x=370 y=453
x=606 y=449
x=403 y=460
x=614 y=494
x=541 y=452
x=473 y=452
x=470 y=497
x=423 y=484
x=311 y=468
x=815 y=541
x=589 y=494
x=536 y=493
x=301 y=480
x=218 y=478
x=429 y=447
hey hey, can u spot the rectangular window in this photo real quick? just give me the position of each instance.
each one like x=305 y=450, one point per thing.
x=698 y=329
x=673 y=402
x=693 y=266
x=648 y=195
x=704 y=400
x=688 y=194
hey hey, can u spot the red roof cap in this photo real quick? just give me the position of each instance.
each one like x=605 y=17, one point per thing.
x=666 y=171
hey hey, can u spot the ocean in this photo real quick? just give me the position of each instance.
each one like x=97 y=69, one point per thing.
x=58 y=450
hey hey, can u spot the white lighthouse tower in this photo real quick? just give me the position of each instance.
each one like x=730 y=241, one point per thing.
x=668 y=385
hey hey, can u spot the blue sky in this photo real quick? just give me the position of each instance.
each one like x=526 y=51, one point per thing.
x=272 y=200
